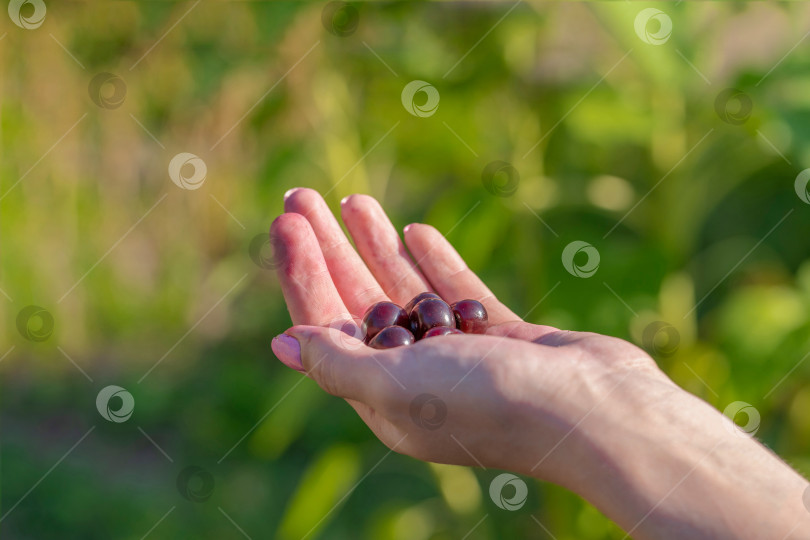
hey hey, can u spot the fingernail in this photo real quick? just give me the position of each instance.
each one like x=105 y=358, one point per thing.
x=344 y=199
x=290 y=192
x=405 y=230
x=287 y=349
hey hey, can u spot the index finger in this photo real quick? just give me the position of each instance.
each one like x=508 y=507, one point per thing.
x=308 y=289
x=352 y=278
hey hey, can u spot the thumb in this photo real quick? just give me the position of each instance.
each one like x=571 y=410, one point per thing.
x=337 y=360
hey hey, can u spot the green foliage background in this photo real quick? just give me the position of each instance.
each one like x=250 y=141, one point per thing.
x=625 y=129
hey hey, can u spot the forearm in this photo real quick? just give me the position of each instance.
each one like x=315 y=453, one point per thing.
x=664 y=464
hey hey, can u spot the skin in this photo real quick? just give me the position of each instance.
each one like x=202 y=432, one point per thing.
x=589 y=412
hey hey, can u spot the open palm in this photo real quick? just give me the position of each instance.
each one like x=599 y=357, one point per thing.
x=327 y=283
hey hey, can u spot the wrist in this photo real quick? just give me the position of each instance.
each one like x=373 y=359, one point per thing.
x=665 y=464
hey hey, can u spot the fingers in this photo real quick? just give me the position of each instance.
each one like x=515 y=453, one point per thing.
x=308 y=290
x=380 y=246
x=288 y=349
x=449 y=274
x=353 y=280
x=342 y=365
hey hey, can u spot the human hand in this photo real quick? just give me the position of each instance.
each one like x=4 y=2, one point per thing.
x=589 y=412
x=508 y=399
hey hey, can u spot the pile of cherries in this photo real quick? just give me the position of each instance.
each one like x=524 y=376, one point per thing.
x=387 y=325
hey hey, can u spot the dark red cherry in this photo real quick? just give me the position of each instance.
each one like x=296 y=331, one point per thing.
x=441 y=331
x=418 y=298
x=430 y=313
x=471 y=316
x=390 y=337
x=383 y=314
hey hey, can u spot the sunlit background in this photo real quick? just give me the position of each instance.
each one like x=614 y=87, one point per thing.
x=622 y=135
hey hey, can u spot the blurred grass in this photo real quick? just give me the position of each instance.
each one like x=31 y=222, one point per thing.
x=604 y=148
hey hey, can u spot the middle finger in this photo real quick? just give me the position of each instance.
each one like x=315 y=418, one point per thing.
x=380 y=246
